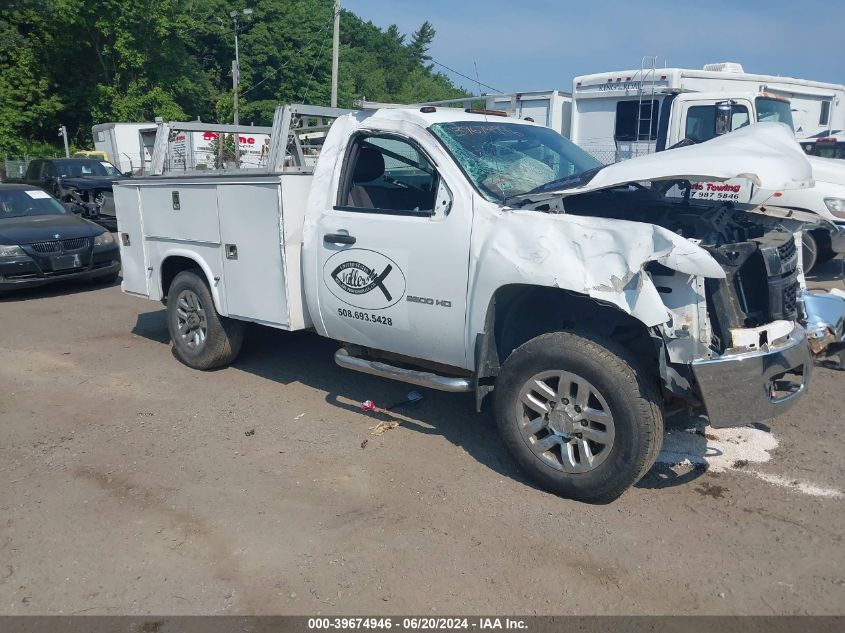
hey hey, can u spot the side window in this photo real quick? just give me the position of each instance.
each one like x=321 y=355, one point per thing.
x=824 y=116
x=701 y=122
x=33 y=170
x=389 y=175
x=636 y=120
x=47 y=170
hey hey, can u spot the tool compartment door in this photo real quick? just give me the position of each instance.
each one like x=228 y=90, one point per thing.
x=253 y=253
x=130 y=236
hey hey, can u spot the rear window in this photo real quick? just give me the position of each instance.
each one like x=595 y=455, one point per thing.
x=636 y=120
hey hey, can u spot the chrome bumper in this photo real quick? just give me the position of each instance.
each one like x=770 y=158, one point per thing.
x=743 y=388
x=823 y=317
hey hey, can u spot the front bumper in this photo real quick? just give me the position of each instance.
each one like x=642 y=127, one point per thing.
x=743 y=388
x=823 y=317
x=35 y=269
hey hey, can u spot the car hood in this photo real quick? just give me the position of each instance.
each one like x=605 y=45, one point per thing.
x=39 y=228
x=765 y=153
x=90 y=182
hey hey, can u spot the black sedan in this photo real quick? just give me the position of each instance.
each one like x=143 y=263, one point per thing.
x=41 y=241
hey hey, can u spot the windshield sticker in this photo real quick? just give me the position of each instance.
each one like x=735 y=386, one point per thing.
x=37 y=195
x=364 y=279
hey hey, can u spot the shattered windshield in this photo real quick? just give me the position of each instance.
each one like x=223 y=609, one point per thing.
x=509 y=159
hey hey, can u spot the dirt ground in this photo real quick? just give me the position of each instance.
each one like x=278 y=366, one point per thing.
x=134 y=485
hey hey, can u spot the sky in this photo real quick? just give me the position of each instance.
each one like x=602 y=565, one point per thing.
x=542 y=44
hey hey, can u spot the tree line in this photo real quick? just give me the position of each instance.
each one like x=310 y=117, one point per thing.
x=80 y=63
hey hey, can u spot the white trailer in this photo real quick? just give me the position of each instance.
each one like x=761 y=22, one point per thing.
x=128 y=145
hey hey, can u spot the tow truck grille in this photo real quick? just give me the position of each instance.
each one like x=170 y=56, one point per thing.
x=57 y=246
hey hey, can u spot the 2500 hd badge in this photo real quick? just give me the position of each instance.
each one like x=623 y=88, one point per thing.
x=364 y=279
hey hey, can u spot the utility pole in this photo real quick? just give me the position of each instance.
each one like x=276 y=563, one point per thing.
x=236 y=76
x=63 y=134
x=335 y=51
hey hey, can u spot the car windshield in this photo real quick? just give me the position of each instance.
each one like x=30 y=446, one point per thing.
x=776 y=110
x=504 y=160
x=20 y=203
x=77 y=167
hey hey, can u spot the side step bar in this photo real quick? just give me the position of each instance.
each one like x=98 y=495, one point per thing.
x=421 y=378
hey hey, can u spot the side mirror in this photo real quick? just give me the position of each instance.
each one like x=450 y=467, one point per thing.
x=443 y=201
x=128 y=174
x=723 y=118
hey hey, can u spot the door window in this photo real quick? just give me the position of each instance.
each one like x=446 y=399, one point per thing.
x=388 y=175
x=701 y=121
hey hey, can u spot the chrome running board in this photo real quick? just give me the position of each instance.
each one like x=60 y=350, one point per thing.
x=420 y=378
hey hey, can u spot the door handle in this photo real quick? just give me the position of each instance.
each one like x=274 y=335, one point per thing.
x=338 y=238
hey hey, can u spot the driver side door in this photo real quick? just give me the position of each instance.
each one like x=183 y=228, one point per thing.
x=394 y=251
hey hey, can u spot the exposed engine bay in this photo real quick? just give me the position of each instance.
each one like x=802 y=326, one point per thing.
x=749 y=247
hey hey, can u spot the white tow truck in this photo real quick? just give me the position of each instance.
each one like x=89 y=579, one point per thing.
x=621 y=114
x=474 y=253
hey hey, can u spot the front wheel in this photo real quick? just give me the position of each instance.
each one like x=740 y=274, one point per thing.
x=201 y=338
x=577 y=414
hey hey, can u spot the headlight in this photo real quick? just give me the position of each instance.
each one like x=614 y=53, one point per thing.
x=104 y=239
x=836 y=206
x=11 y=251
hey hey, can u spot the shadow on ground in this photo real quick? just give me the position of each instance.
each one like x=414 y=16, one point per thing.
x=303 y=357
x=54 y=289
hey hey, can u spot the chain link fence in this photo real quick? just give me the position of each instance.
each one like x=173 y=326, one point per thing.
x=14 y=167
x=607 y=154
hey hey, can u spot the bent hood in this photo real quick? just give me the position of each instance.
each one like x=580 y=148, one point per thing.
x=764 y=153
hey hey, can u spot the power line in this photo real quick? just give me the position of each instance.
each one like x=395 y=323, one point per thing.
x=273 y=72
x=474 y=80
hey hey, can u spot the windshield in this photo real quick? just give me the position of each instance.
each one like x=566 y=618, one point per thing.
x=774 y=110
x=20 y=203
x=76 y=167
x=508 y=159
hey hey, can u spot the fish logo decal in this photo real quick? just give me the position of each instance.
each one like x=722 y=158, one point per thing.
x=364 y=279
x=355 y=278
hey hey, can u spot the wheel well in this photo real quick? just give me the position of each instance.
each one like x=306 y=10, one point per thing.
x=521 y=313
x=174 y=265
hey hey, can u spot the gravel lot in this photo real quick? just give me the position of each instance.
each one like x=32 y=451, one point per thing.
x=134 y=485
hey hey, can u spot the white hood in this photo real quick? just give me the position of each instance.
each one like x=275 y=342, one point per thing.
x=765 y=153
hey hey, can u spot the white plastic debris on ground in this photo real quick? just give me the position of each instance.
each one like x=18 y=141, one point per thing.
x=732 y=449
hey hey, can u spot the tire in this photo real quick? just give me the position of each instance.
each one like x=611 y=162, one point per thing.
x=809 y=251
x=613 y=385
x=825 y=252
x=202 y=339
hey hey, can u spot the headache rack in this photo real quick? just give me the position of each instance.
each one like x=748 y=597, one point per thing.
x=194 y=148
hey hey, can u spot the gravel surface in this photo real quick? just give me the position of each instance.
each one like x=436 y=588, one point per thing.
x=134 y=485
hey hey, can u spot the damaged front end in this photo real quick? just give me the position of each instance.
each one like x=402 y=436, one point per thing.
x=823 y=318
x=732 y=343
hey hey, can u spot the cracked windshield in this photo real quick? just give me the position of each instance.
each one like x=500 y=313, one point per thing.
x=509 y=159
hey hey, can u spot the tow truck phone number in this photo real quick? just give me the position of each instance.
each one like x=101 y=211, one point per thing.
x=365 y=316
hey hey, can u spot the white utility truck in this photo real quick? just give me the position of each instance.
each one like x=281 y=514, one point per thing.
x=482 y=254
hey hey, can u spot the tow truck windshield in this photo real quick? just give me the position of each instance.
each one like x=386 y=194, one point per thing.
x=504 y=160
x=776 y=110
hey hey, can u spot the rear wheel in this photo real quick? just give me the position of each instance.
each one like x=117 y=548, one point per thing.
x=201 y=338
x=578 y=416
